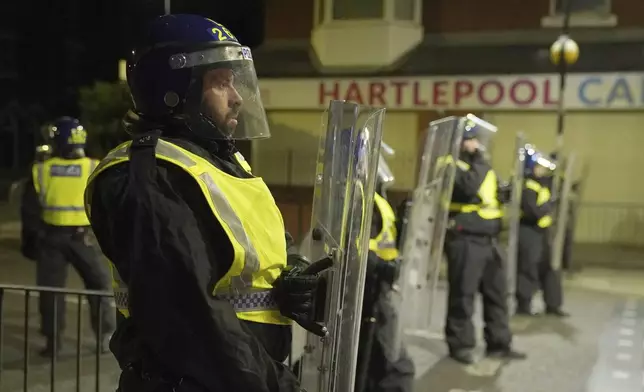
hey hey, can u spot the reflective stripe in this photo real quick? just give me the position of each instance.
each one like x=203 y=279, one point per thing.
x=62 y=208
x=253 y=301
x=243 y=282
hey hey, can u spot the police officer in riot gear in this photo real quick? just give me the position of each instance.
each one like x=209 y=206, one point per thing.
x=534 y=266
x=196 y=242
x=474 y=260
x=63 y=234
x=378 y=370
x=30 y=212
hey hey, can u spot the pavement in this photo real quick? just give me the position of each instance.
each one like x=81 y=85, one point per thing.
x=600 y=348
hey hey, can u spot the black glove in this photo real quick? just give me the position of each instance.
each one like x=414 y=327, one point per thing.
x=296 y=260
x=300 y=293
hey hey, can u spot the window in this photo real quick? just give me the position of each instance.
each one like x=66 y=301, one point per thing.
x=358 y=9
x=583 y=6
x=321 y=11
x=584 y=13
x=404 y=9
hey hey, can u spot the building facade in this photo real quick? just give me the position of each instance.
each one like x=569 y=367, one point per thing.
x=426 y=59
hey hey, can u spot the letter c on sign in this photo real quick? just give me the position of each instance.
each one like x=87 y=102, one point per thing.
x=582 y=91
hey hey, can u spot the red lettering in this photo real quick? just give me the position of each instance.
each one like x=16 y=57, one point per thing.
x=439 y=93
x=463 y=89
x=324 y=93
x=399 y=87
x=484 y=87
x=417 y=100
x=353 y=93
x=547 y=97
x=532 y=94
x=376 y=92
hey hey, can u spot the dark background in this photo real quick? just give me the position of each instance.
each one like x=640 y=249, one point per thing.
x=50 y=48
x=60 y=45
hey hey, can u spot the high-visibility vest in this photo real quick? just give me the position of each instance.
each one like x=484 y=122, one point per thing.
x=60 y=185
x=489 y=208
x=543 y=195
x=248 y=214
x=384 y=244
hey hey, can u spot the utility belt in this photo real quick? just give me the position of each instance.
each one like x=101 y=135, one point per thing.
x=242 y=302
x=472 y=224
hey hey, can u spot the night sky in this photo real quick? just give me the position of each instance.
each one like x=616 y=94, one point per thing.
x=50 y=48
x=66 y=44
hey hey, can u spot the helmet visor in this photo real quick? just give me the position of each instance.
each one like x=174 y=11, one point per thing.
x=229 y=96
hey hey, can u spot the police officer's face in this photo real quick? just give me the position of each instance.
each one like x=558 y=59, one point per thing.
x=470 y=145
x=220 y=100
x=540 y=171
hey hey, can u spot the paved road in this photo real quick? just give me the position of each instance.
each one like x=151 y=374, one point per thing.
x=599 y=349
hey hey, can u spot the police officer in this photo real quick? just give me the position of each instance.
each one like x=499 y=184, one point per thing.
x=196 y=242
x=474 y=261
x=378 y=369
x=58 y=183
x=534 y=266
x=30 y=211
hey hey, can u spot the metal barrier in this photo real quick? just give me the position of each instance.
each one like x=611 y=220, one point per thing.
x=31 y=292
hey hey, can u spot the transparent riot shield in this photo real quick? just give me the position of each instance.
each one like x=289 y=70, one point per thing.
x=513 y=215
x=423 y=236
x=342 y=210
x=561 y=214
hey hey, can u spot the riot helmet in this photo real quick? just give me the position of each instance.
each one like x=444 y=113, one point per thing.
x=477 y=134
x=68 y=138
x=192 y=71
x=42 y=153
x=537 y=163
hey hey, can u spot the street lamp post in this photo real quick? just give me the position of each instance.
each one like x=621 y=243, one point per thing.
x=563 y=53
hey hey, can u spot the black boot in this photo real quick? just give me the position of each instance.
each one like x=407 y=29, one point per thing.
x=48 y=350
x=505 y=353
x=464 y=356
x=557 y=312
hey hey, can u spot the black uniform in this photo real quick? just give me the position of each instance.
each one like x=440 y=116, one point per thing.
x=376 y=333
x=162 y=234
x=54 y=247
x=474 y=264
x=534 y=267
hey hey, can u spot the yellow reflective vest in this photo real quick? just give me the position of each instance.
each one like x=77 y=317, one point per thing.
x=543 y=195
x=384 y=244
x=489 y=208
x=60 y=185
x=248 y=214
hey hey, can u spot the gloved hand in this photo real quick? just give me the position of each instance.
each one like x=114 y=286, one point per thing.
x=504 y=193
x=300 y=293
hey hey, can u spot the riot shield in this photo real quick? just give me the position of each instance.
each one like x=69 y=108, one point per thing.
x=423 y=235
x=341 y=220
x=513 y=215
x=561 y=214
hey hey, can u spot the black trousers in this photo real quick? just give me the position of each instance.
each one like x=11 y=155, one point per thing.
x=475 y=265
x=535 y=271
x=71 y=245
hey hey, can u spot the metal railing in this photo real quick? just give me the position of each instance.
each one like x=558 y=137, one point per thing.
x=30 y=292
